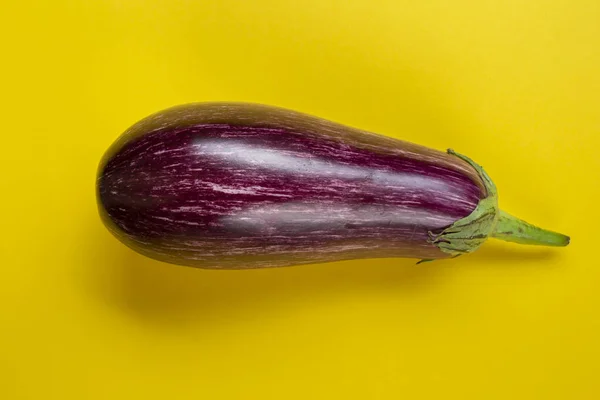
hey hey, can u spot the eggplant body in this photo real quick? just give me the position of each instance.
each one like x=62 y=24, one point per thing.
x=235 y=185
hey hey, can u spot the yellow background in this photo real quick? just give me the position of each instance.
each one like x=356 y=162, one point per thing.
x=514 y=84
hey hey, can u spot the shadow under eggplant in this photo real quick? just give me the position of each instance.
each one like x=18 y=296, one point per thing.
x=170 y=295
x=505 y=255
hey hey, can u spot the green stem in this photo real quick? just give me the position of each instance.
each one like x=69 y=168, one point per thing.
x=513 y=229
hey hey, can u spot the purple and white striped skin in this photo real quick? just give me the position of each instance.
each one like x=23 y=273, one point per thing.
x=234 y=185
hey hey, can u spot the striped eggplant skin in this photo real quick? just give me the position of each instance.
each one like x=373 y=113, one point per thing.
x=237 y=185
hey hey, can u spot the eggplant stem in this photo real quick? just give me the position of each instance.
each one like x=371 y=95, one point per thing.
x=513 y=229
x=487 y=220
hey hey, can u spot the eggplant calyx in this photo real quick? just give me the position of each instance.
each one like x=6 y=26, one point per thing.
x=467 y=234
x=487 y=220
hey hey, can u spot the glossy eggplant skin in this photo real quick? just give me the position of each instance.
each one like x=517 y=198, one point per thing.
x=236 y=185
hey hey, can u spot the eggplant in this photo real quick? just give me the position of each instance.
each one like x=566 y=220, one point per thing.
x=238 y=185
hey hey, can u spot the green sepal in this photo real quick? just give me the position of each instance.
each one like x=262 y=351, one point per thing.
x=468 y=233
x=425 y=260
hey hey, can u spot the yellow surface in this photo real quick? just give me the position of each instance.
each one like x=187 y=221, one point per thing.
x=514 y=84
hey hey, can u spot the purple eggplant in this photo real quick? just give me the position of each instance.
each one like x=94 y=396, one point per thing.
x=235 y=185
